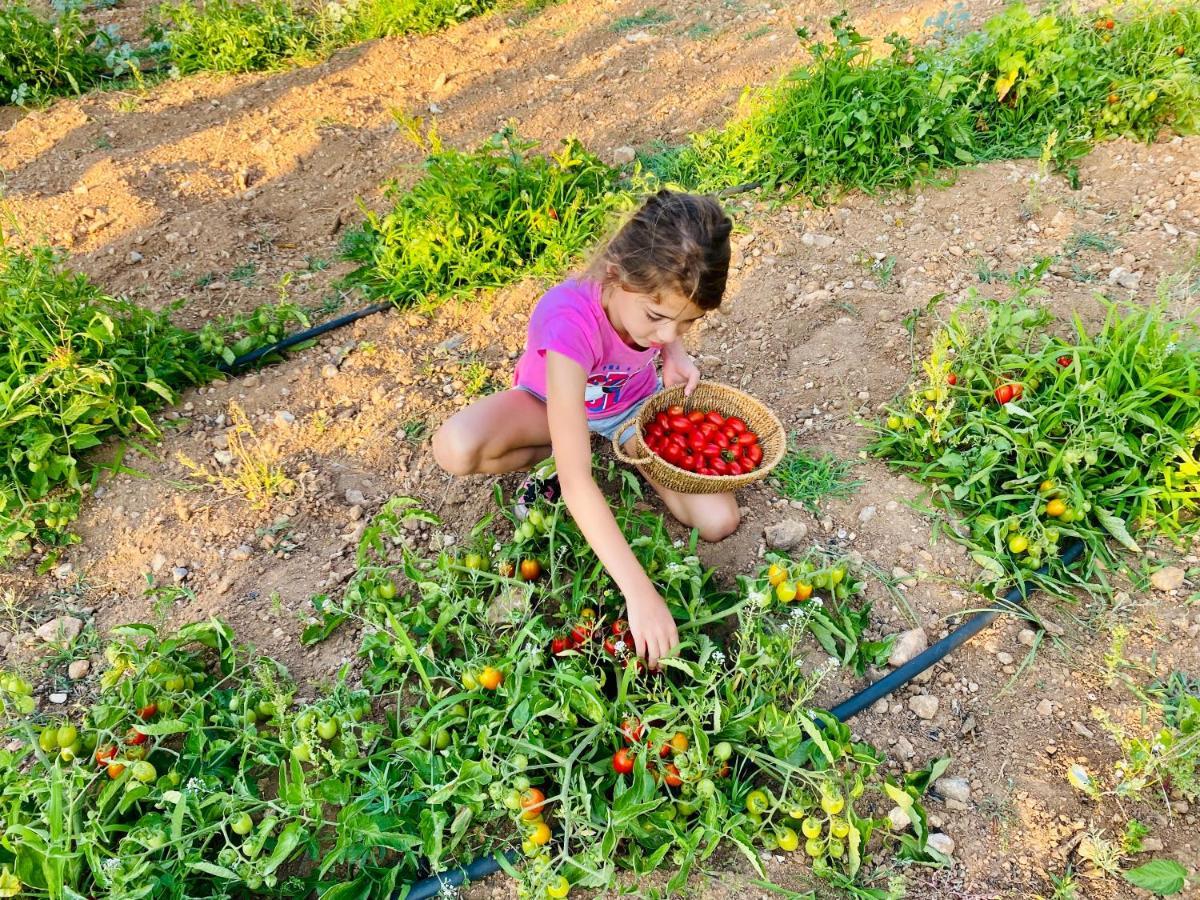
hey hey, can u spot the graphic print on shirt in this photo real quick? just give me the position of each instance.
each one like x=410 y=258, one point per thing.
x=603 y=390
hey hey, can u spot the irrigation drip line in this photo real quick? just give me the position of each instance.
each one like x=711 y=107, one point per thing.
x=432 y=886
x=249 y=359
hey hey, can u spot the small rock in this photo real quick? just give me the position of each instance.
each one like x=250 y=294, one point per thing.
x=899 y=818
x=1169 y=578
x=942 y=843
x=179 y=574
x=355 y=497
x=905 y=748
x=78 y=669
x=329 y=370
x=63 y=571
x=866 y=514
x=624 y=155
x=64 y=629
x=157 y=562
x=820 y=241
x=907 y=645
x=1152 y=845
x=135 y=257
x=1026 y=637
x=283 y=417
x=1082 y=730
x=1124 y=278
x=924 y=705
x=1005 y=659
x=58 y=698
x=1045 y=708
x=785 y=535
x=241 y=553
x=223 y=457
x=954 y=789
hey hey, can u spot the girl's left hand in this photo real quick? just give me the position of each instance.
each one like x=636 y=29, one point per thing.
x=679 y=369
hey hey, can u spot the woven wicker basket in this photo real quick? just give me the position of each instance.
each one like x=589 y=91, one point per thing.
x=726 y=400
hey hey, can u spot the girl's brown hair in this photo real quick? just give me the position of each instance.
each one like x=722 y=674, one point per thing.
x=675 y=243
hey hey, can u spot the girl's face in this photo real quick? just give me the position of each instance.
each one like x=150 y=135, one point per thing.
x=644 y=321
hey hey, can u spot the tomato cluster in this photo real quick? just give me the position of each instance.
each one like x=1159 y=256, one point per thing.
x=706 y=443
x=578 y=636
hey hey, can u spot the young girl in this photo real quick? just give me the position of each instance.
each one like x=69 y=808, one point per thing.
x=588 y=366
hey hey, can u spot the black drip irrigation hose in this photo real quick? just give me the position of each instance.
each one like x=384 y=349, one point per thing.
x=249 y=359
x=430 y=887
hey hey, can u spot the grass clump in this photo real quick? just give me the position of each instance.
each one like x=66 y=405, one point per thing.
x=483 y=219
x=810 y=480
x=42 y=57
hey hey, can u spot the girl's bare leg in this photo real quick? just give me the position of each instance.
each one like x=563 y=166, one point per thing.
x=500 y=433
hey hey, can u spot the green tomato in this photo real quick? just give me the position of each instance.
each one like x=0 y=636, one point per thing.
x=266 y=709
x=304 y=721
x=722 y=751
x=520 y=762
x=441 y=740
x=48 y=740
x=67 y=735
x=705 y=789
x=757 y=802
x=787 y=839
x=328 y=729
x=386 y=590
x=144 y=771
x=302 y=752
x=242 y=824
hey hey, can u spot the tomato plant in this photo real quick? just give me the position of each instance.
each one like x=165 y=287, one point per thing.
x=1102 y=446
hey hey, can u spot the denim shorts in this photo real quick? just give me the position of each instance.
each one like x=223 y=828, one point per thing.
x=623 y=423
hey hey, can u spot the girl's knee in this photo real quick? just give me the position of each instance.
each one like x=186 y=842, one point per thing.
x=453 y=450
x=719 y=523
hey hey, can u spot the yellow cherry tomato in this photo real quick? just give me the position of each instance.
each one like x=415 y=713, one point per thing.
x=757 y=802
x=1018 y=543
x=1055 y=508
x=788 y=839
x=559 y=887
x=785 y=591
x=540 y=834
x=490 y=678
x=776 y=574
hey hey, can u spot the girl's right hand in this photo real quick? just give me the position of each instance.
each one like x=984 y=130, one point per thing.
x=652 y=625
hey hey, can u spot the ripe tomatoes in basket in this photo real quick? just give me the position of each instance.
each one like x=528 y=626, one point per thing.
x=704 y=441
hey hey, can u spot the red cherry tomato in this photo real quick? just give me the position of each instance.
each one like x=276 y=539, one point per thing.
x=952 y=379
x=1064 y=361
x=560 y=645
x=1003 y=394
x=1017 y=391
x=675 y=410
x=672 y=778
x=720 y=467
x=622 y=762
x=735 y=468
x=695 y=417
x=736 y=424
x=680 y=424
x=136 y=737
x=581 y=633
x=748 y=438
x=716 y=418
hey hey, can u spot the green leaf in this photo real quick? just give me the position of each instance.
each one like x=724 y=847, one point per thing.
x=1159 y=876
x=1115 y=526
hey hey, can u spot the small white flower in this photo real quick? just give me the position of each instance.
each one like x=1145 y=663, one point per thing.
x=194 y=785
x=1171 y=347
x=798 y=613
x=110 y=865
x=677 y=544
x=760 y=598
x=718 y=656
x=817 y=601
x=620 y=645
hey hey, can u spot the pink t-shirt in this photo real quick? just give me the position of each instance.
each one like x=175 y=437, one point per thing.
x=570 y=320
